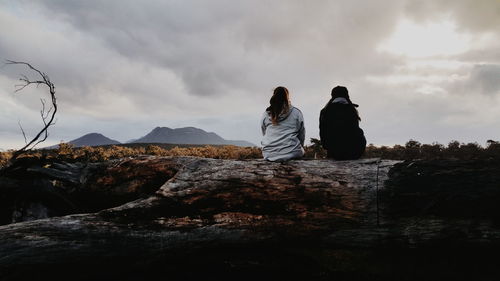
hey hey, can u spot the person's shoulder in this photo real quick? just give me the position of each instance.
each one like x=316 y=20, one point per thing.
x=296 y=110
x=328 y=107
x=296 y=113
x=338 y=105
x=265 y=116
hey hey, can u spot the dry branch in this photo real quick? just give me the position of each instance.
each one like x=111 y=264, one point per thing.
x=47 y=116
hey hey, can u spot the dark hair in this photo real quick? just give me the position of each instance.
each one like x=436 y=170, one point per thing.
x=342 y=92
x=280 y=102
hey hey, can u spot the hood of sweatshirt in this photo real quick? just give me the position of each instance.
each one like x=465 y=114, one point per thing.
x=283 y=115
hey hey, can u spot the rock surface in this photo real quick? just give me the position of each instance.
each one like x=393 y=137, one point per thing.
x=229 y=219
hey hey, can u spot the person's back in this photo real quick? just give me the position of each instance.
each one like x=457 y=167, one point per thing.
x=340 y=133
x=282 y=128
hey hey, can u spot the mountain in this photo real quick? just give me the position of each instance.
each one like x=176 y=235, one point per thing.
x=92 y=139
x=187 y=135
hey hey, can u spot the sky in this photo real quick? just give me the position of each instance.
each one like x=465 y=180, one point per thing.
x=427 y=70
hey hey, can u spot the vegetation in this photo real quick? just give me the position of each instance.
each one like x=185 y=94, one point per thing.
x=69 y=153
x=454 y=150
x=5 y=157
x=415 y=150
x=411 y=150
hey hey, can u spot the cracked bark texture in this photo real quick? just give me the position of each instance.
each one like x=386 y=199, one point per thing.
x=301 y=220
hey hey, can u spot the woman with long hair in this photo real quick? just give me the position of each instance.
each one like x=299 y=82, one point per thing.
x=339 y=127
x=282 y=128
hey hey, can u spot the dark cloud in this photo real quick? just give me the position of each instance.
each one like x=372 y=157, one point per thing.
x=484 y=79
x=220 y=46
x=489 y=53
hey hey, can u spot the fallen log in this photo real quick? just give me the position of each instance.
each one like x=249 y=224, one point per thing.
x=303 y=220
x=36 y=189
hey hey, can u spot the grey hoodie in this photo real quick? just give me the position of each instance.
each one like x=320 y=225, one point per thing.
x=285 y=140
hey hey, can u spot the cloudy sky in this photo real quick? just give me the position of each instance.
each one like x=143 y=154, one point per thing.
x=424 y=70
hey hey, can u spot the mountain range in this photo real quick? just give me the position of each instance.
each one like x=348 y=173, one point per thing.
x=186 y=135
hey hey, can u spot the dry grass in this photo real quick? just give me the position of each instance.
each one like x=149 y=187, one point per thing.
x=4 y=157
x=68 y=152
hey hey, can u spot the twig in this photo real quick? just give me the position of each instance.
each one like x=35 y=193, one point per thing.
x=22 y=131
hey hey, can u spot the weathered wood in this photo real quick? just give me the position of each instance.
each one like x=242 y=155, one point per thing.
x=33 y=189
x=245 y=210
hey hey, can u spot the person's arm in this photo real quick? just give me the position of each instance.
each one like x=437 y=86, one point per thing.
x=352 y=118
x=263 y=124
x=322 y=128
x=302 y=129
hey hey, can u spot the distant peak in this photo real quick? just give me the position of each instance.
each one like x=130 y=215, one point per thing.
x=93 y=135
x=190 y=129
x=93 y=139
x=161 y=128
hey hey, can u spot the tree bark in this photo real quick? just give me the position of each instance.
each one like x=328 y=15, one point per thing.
x=242 y=217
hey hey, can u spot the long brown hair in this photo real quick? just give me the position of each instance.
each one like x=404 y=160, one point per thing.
x=280 y=102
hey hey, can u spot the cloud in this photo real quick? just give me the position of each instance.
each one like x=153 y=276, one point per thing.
x=482 y=79
x=125 y=66
x=477 y=16
x=486 y=77
x=221 y=46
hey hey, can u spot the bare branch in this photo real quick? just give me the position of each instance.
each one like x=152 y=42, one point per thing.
x=22 y=131
x=28 y=65
x=27 y=83
x=47 y=116
x=43 y=106
x=49 y=111
x=44 y=114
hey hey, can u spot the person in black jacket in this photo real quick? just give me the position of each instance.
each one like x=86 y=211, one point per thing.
x=339 y=129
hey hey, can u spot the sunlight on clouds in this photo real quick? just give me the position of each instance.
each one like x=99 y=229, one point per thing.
x=430 y=90
x=426 y=40
x=410 y=78
x=427 y=49
x=435 y=64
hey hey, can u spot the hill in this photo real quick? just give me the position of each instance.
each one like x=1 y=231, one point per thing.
x=187 y=135
x=93 y=139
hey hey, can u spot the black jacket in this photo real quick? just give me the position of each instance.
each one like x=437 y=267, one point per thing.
x=340 y=133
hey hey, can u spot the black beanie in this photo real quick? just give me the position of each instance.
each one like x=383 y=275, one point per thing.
x=341 y=92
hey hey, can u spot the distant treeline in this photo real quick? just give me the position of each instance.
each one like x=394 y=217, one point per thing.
x=415 y=150
x=454 y=150
x=411 y=150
